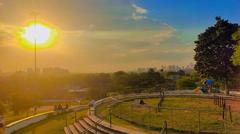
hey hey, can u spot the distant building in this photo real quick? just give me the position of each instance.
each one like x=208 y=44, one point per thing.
x=55 y=71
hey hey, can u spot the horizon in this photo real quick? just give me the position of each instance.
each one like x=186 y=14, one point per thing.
x=168 y=68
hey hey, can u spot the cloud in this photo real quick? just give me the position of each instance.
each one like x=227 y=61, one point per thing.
x=139 y=9
x=133 y=35
x=121 y=46
x=138 y=13
x=138 y=17
x=6 y=34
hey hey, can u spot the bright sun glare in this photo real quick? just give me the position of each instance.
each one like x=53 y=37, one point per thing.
x=38 y=33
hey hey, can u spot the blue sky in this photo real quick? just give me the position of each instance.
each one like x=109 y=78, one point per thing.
x=110 y=35
x=192 y=13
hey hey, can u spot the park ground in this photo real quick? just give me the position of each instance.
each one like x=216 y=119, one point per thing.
x=183 y=117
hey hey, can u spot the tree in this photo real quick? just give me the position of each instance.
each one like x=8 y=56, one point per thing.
x=186 y=82
x=99 y=85
x=21 y=102
x=214 y=49
x=236 y=55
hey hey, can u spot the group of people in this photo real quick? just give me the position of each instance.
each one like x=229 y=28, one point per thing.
x=60 y=107
x=207 y=87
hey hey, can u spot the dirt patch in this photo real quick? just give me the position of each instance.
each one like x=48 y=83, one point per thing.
x=235 y=104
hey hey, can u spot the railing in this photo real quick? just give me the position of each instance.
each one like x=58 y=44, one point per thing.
x=161 y=101
x=164 y=128
x=198 y=125
x=14 y=126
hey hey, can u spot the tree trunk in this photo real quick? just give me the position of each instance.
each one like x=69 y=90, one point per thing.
x=226 y=87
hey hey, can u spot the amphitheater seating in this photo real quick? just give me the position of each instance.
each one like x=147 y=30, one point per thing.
x=67 y=131
x=93 y=125
x=96 y=126
x=79 y=128
x=73 y=129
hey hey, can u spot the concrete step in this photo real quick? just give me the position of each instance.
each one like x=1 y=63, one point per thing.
x=96 y=126
x=105 y=125
x=80 y=129
x=87 y=127
x=73 y=129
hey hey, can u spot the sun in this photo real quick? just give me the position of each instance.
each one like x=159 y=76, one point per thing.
x=38 y=34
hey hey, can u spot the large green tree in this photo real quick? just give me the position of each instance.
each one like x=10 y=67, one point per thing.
x=214 y=49
x=236 y=55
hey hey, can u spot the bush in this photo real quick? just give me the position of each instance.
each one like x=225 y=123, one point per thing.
x=186 y=82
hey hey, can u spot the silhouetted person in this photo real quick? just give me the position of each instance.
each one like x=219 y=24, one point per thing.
x=35 y=109
x=142 y=102
x=92 y=103
x=59 y=107
x=66 y=106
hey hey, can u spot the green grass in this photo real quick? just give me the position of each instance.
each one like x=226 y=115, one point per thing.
x=10 y=117
x=180 y=120
x=52 y=125
x=103 y=112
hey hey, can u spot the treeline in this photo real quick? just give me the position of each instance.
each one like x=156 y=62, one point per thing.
x=22 y=90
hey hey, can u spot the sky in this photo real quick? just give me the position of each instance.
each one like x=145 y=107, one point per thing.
x=110 y=35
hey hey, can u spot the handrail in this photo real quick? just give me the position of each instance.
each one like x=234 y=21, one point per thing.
x=164 y=128
x=29 y=117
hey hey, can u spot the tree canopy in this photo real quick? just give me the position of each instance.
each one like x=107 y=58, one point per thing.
x=214 y=49
x=236 y=55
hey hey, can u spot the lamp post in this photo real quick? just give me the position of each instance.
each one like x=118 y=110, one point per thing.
x=110 y=116
x=35 y=44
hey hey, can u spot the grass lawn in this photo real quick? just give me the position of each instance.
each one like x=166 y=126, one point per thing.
x=53 y=125
x=103 y=112
x=180 y=120
x=10 y=117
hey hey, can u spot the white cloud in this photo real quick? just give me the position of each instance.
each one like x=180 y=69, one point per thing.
x=151 y=36
x=138 y=17
x=139 y=9
x=138 y=13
